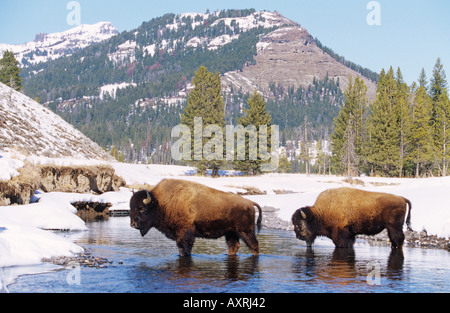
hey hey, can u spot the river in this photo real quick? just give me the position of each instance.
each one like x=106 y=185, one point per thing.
x=151 y=264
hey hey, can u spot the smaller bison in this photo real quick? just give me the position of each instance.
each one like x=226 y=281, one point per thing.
x=183 y=210
x=341 y=214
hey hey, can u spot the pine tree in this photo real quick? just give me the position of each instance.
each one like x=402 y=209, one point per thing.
x=438 y=81
x=423 y=79
x=403 y=116
x=322 y=158
x=442 y=132
x=347 y=142
x=284 y=164
x=256 y=115
x=205 y=101
x=384 y=145
x=420 y=138
x=439 y=115
x=10 y=71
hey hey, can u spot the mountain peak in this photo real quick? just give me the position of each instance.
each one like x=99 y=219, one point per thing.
x=52 y=46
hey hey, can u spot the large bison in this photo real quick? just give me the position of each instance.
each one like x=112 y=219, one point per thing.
x=341 y=214
x=183 y=210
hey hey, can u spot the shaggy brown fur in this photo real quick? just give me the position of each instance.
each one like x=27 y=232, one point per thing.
x=184 y=210
x=341 y=214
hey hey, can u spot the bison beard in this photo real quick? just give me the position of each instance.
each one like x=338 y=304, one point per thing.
x=183 y=210
x=341 y=214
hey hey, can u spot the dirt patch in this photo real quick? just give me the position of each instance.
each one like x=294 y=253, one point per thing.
x=21 y=188
x=79 y=179
x=53 y=178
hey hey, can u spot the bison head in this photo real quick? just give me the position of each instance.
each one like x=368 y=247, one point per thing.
x=304 y=225
x=142 y=211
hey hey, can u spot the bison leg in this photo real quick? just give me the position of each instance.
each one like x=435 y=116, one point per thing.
x=251 y=242
x=185 y=242
x=342 y=238
x=232 y=239
x=396 y=236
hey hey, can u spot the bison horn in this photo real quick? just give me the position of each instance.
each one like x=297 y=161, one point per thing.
x=303 y=214
x=148 y=199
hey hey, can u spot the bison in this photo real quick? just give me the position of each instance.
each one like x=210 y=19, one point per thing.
x=183 y=210
x=341 y=214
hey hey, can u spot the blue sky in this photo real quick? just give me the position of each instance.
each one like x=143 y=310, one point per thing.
x=412 y=34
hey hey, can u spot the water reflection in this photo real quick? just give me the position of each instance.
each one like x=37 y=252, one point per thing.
x=319 y=271
x=195 y=273
x=342 y=267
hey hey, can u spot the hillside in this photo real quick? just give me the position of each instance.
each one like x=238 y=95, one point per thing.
x=290 y=57
x=28 y=127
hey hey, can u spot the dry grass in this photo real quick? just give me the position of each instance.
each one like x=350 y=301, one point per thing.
x=140 y=187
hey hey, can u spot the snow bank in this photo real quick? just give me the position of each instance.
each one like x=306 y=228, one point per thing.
x=23 y=245
x=53 y=211
x=9 y=167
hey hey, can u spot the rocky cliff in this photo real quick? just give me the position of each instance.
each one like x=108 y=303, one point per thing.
x=289 y=57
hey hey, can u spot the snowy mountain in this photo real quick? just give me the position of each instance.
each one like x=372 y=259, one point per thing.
x=47 y=47
x=31 y=129
x=136 y=83
x=227 y=30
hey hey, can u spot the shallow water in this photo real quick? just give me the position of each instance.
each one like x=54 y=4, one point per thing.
x=151 y=264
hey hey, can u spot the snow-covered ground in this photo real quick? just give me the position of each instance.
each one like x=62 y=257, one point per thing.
x=25 y=239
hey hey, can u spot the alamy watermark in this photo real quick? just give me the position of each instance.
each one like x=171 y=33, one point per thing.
x=74 y=275
x=374 y=16
x=374 y=275
x=258 y=143
x=74 y=16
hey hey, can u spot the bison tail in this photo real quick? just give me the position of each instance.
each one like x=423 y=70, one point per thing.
x=259 y=221
x=408 y=218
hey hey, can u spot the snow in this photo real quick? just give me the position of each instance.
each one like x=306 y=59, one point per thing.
x=29 y=245
x=9 y=167
x=123 y=52
x=60 y=44
x=219 y=41
x=270 y=19
x=150 y=49
x=261 y=46
x=111 y=89
x=25 y=238
x=195 y=42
